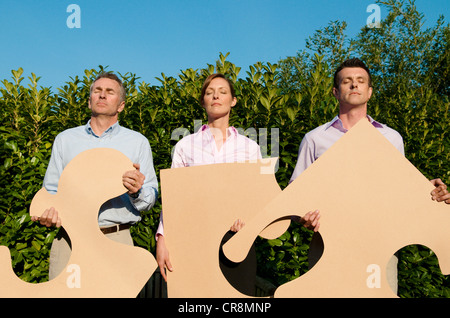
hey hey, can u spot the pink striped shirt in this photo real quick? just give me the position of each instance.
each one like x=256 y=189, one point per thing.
x=200 y=149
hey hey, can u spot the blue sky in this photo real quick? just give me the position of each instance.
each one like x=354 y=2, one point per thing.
x=151 y=37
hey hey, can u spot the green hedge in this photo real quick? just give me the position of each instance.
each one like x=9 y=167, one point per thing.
x=411 y=76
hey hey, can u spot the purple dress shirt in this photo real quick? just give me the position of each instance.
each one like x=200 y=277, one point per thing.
x=318 y=140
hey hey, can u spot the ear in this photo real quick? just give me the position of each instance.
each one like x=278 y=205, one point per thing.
x=234 y=102
x=121 y=107
x=370 y=92
x=89 y=103
x=336 y=92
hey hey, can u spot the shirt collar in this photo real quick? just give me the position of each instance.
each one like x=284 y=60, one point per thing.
x=111 y=131
x=374 y=122
x=231 y=131
x=337 y=123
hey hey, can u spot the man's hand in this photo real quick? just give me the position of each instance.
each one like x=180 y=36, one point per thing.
x=440 y=193
x=48 y=218
x=133 y=180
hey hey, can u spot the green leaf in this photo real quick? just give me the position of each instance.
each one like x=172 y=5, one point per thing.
x=36 y=245
x=275 y=242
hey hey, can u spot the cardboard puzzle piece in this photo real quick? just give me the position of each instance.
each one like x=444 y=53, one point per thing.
x=372 y=201
x=98 y=266
x=199 y=206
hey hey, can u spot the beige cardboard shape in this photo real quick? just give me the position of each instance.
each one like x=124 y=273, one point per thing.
x=98 y=266
x=199 y=205
x=373 y=202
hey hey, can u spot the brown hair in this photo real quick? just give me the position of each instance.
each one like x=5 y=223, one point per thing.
x=113 y=77
x=353 y=62
x=208 y=81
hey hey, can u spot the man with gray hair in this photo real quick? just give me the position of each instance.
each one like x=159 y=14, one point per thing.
x=116 y=216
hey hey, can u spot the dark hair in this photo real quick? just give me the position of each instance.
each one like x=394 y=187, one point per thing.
x=208 y=81
x=113 y=77
x=353 y=62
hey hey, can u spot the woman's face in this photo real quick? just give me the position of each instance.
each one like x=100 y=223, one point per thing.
x=218 y=99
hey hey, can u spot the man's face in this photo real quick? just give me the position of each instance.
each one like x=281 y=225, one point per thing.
x=353 y=89
x=105 y=98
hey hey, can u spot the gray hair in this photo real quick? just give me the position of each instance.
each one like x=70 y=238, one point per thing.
x=112 y=76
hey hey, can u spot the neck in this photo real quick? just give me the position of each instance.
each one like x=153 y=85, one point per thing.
x=100 y=123
x=219 y=126
x=219 y=130
x=351 y=115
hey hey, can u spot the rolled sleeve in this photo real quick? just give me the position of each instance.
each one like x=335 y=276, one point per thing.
x=148 y=194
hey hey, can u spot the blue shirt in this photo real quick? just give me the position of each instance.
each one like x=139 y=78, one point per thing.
x=120 y=210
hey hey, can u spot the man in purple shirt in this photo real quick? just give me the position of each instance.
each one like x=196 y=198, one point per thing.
x=353 y=89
